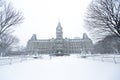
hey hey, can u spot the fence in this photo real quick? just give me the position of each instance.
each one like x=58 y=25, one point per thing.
x=100 y=57
x=105 y=58
x=17 y=59
x=11 y=60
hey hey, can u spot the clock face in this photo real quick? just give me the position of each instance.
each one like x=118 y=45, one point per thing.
x=59 y=28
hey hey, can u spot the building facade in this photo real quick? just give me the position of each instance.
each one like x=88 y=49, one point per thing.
x=59 y=44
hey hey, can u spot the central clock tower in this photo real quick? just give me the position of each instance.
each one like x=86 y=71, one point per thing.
x=59 y=45
x=59 y=33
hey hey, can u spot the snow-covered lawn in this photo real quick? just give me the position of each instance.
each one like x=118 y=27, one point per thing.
x=60 y=68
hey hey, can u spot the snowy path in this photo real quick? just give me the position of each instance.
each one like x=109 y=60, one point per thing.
x=60 y=68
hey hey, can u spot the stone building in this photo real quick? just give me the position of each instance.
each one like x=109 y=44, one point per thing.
x=59 y=45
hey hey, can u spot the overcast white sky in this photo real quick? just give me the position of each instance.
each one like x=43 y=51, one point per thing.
x=41 y=18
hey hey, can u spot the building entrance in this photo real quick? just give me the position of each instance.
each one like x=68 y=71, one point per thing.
x=59 y=51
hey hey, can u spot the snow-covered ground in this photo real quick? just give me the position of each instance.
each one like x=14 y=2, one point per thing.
x=60 y=68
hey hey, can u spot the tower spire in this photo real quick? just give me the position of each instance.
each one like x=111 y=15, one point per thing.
x=58 y=19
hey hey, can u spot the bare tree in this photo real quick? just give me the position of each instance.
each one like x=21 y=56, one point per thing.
x=109 y=44
x=6 y=43
x=103 y=16
x=9 y=18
